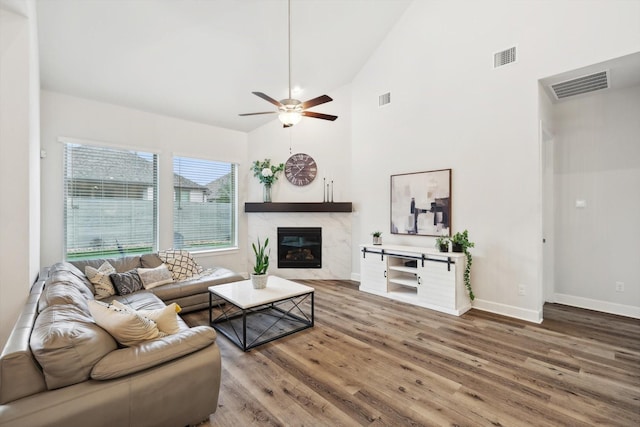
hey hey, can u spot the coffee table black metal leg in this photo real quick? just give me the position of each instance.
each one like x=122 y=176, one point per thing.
x=244 y=330
x=312 y=308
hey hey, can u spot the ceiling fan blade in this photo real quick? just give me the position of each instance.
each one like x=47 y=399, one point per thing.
x=319 y=115
x=268 y=98
x=316 y=101
x=255 y=114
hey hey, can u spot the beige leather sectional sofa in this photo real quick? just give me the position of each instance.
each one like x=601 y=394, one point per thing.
x=59 y=368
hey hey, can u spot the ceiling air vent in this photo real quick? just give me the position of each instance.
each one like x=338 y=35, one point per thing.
x=505 y=57
x=580 y=85
x=384 y=99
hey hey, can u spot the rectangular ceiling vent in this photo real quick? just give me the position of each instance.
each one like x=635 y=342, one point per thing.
x=504 y=57
x=384 y=99
x=580 y=85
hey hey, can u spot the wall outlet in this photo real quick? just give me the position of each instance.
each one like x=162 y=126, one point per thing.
x=619 y=286
x=521 y=289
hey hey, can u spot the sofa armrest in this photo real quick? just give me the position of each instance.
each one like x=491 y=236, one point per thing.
x=128 y=360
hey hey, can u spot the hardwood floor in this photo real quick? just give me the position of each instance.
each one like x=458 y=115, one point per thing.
x=376 y=362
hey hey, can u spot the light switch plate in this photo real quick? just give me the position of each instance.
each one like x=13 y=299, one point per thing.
x=581 y=204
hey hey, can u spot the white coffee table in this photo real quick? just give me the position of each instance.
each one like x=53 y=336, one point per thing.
x=256 y=316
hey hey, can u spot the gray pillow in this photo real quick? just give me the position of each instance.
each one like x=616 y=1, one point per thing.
x=126 y=283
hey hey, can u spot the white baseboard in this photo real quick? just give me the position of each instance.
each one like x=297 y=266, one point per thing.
x=604 y=306
x=494 y=307
x=534 y=316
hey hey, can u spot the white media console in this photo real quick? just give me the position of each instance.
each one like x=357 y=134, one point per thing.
x=419 y=276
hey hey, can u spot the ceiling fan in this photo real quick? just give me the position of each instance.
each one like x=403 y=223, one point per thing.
x=290 y=111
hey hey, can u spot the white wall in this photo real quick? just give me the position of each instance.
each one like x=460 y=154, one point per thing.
x=72 y=117
x=19 y=162
x=597 y=160
x=451 y=109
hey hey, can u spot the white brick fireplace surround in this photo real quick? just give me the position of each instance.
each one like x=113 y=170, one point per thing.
x=336 y=241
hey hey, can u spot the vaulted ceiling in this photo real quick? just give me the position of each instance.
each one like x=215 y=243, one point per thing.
x=201 y=59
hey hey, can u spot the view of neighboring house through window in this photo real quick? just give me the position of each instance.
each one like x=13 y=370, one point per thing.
x=110 y=201
x=204 y=204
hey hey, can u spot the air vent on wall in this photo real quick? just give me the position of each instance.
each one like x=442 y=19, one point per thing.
x=384 y=99
x=580 y=85
x=505 y=57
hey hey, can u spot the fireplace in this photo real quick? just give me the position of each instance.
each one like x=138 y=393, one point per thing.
x=299 y=247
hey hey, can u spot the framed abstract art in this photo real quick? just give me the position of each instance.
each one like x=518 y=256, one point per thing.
x=421 y=203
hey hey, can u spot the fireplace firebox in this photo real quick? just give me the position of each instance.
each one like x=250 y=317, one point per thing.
x=299 y=247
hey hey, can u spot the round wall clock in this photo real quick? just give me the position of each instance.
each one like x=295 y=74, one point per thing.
x=300 y=169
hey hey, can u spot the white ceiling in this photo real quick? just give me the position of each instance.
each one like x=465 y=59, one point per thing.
x=201 y=59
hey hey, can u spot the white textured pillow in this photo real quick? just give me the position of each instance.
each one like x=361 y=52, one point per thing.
x=166 y=318
x=152 y=277
x=100 y=279
x=127 y=327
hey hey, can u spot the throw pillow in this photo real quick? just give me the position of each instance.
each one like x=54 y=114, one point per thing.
x=166 y=318
x=127 y=327
x=100 y=279
x=181 y=263
x=152 y=277
x=126 y=283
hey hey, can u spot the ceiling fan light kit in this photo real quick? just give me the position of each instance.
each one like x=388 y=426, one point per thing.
x=290 y=111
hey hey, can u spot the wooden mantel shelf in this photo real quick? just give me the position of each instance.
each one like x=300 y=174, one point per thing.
x=298 y=207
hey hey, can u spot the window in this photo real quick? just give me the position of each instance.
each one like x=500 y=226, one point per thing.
x=204 y=204
x=110 y=201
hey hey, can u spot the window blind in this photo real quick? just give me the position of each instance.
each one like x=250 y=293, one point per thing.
x=204 y=204
x=110 y=206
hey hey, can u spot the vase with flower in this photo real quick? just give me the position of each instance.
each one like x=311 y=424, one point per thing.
x=267 y=174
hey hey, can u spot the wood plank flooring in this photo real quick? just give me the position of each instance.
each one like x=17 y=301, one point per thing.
x=370 y=361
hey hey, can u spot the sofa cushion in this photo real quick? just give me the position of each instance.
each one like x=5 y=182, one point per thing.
x=198 y=284
x=127 y=327
x=181 y=263
x=68 y=279
x=126 y=283
x=166 y=317
x=67 y=343
x=145 y=355
x=121 y=264
x=152 y=277
x=99 y=277
x=150 y=260
x=61 y=292
x=71 y=269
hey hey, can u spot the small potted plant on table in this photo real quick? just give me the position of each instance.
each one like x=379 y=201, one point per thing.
x=259 y=276
x=442 y=243
x=377 y=237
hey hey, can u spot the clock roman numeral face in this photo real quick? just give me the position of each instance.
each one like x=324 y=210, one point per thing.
x=300 y=169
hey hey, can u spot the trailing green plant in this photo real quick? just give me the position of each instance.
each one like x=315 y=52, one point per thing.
x=262 y=257
x=462 y=240
x=376 y=233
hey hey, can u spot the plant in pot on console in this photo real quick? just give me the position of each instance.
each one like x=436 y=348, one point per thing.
x=259 y=276
x=442 y=243
x=460 y=243
x=377 y=237
x=267 y=174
